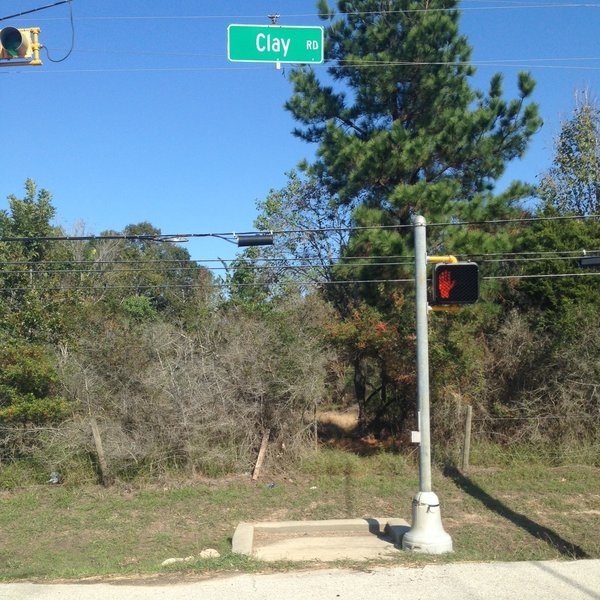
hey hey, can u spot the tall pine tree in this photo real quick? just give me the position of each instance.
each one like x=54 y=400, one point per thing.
x=401 y=131
x=399 y=128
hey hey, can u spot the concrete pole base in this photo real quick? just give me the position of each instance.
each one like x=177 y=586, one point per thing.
x=427 y=534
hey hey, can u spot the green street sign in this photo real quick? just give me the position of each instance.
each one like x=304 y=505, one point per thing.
x=275 y=44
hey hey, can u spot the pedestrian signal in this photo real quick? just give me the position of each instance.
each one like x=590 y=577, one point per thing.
x=455 y=283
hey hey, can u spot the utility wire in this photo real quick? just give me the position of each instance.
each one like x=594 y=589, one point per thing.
x=313 y=260
x=34 y=10
x=312 y=15
x=542 y=276
x=482 y=62
x=72 y=38
x=174 y=269
x=517 y=63
x=178 y=269
x=266 y=67
x=234 y=285
x=232 y=236
x=185 y=286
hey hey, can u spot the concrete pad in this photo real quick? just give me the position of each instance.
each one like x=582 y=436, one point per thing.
x=330 y=540
x=325 y=548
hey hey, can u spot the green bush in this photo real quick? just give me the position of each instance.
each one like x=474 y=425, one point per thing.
x=21 y=474
x=29 y=385
x=139 y=309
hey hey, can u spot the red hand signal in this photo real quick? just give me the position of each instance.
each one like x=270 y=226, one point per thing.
x=445 y=284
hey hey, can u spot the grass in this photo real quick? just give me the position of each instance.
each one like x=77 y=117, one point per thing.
x=524 y=511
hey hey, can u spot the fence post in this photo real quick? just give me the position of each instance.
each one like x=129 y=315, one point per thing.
x=467 y=443
x=105 y=476
x=261 y=455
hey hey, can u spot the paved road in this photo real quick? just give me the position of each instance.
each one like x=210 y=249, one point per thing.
x=492 y=581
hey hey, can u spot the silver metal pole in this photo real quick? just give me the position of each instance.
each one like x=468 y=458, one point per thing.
x=427 y=532
x=422 y=355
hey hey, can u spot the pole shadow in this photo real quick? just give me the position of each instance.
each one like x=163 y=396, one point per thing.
x=564 y=547
x=570 y=581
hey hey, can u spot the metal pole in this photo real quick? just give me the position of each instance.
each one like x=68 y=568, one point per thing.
x=427 y=532
x=422 y=355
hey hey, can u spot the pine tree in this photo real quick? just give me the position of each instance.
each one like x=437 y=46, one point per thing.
x=400 y=130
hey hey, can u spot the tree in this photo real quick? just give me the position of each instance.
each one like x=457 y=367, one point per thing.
x=30 y=217
x=570 y=188
x=542 y=358
x=314 y=243
x=400 y=131
x=28 y=308
x=376 y=348
x=315 y=224
x=29 y=385
x=145 y=276
x=572 y=185
x=31 y=315
x=404 y=132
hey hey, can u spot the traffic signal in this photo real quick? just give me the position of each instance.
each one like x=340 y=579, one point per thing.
x=19 y=45
x=15 y=43
x=455 y=283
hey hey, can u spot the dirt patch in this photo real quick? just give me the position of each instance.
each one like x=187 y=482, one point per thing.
x=346 y=420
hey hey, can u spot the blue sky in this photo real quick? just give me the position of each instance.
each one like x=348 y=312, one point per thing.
x=148 y=121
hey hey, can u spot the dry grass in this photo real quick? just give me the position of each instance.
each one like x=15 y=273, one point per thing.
x=345 y=420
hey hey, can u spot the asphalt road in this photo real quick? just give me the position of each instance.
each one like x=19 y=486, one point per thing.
x=477 y=581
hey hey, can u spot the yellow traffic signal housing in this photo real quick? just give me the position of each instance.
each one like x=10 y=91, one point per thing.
x=19 y=46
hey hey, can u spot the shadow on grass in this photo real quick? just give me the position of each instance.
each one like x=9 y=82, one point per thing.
x=333 y=436
x=538 y=531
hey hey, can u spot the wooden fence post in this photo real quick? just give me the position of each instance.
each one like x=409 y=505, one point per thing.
x=261 y=455
x=103 y=466
x=467 y=442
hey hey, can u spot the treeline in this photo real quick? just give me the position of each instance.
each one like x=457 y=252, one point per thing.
x=131 y=338
x=121 y=346
x=125 y=348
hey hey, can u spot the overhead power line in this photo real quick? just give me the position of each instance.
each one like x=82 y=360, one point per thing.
x=232 y=236
x=497 y=6
x=522 y=64
x=171 y=267
x=563 y=63
x=404 y=259
x=234 y=285
x=499 y=62
x=34 y=10
x=542 y=276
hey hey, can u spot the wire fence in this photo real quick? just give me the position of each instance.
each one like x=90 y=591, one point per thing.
x=554 y=439
x=484 y=442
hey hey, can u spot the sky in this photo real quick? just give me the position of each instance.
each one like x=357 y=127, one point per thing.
x=147 y=120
